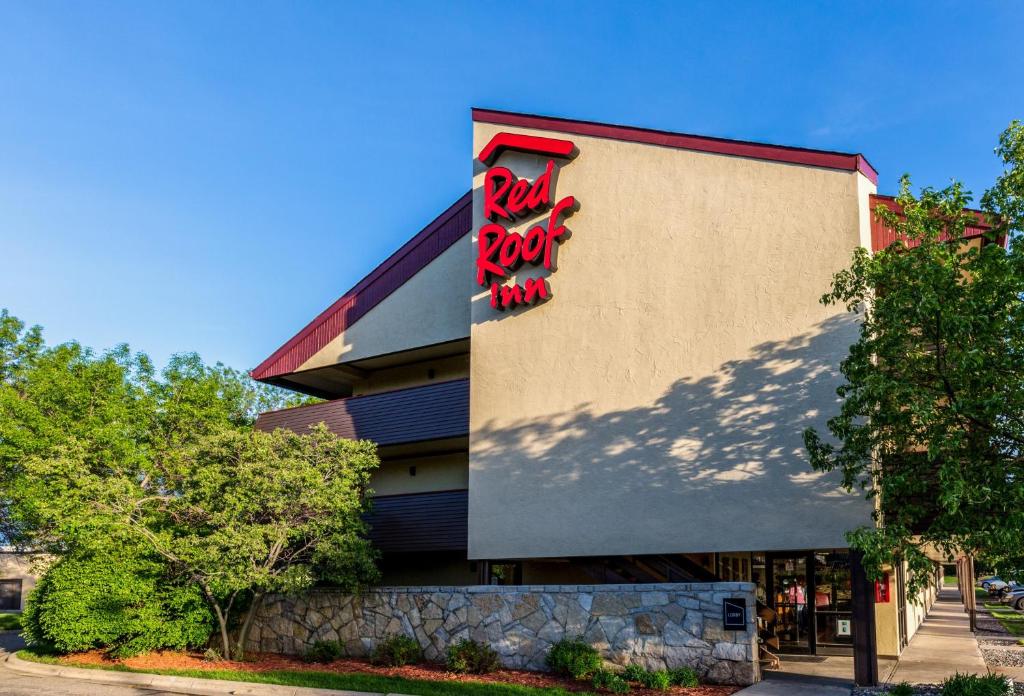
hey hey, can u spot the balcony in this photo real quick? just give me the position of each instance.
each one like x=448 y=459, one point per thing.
x=434 y=412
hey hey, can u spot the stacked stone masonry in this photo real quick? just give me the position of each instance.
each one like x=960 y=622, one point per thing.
x=658 y=626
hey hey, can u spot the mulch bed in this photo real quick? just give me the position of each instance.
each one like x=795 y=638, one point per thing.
x=268 y=662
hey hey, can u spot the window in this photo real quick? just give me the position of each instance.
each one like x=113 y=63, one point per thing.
x=10 y=594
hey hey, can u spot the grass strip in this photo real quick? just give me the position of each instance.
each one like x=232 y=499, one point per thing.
x=1010 y=620
x=10 y=622
x=329 y=680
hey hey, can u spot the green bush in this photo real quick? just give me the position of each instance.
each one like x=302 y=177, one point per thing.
x=901 y=689
x=324 y=651
x=574 y=657
x=683 y=676
x=10 y=622
x=123 y=605
x=976 y=685
x=397 y=651
x=656 y=680
x=609 y=681
x=468 y=656
x=633 y=673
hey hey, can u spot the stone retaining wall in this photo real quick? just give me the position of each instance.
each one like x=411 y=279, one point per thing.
x=657 y=626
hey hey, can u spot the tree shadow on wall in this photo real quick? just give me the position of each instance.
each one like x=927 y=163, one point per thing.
x=716 y=463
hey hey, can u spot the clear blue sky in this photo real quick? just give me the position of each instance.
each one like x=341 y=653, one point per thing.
x=210 y=175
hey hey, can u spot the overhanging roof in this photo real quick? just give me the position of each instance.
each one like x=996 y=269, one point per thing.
x=411 y=257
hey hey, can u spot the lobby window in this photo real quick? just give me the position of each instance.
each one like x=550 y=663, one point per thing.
x=10 y=595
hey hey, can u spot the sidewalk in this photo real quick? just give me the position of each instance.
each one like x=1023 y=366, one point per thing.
x=942 y=646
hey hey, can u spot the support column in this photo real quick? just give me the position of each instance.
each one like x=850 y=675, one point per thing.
x=865 y=641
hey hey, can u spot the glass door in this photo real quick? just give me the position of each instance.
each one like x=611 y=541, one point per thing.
x=833 y=611
x=789 y=598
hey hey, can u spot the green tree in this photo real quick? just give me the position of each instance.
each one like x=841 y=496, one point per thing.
x=243 y=513
x=932 y=417
x=122 y=602
x=102 y=457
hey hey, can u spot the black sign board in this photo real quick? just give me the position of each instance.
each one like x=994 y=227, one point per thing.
x=734 y=611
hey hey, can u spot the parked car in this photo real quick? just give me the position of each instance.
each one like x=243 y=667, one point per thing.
x=1004 y=590
x=1014 y=598
x=986 y=584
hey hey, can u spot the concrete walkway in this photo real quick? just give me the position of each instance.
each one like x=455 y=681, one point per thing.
x=942 y=646
x=789 y=684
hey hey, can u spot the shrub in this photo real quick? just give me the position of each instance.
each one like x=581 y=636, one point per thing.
x=683 y=676
x=397 y=651
x=124 y=605
x=609 y=681
x=574 y=657
x=324 y=651
x=976 y=685
x=468 y=656
x=633 y=673
x=901 y=689
x=656 y=680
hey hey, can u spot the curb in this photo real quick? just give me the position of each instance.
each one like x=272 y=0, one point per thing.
x=180 y=685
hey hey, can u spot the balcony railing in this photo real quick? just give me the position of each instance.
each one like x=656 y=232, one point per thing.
x=403 y=416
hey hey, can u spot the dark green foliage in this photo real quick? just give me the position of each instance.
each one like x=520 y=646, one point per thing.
x=470 y=657
x=124 y=605
x=976 y=685
x=656 y=680
x=901 y=689
x=10 y=622
x=324 y=651
x=934 y=386
x=397 y=651
x=574 y=657
x=633 y=673
x=609 y=681
x=683 y=676
x=99 y=450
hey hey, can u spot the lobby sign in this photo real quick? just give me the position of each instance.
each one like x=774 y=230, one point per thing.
x=734 y=612
x=509 y=200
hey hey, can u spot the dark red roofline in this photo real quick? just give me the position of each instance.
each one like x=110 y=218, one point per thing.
x=882 y=235
x=684 y=141
x=391 y=274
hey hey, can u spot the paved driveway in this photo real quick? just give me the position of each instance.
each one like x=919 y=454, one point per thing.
x=15 y=684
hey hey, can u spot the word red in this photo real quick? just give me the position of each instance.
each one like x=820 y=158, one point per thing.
x=508 y=197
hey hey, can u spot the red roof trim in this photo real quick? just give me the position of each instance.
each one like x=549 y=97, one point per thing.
x=684 y=141
x=882 y=235
x=525 y=143
x=411 y=257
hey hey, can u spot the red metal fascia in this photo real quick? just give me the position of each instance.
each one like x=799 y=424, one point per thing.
x=684 y=141
x=882 y=235
x=391 y=274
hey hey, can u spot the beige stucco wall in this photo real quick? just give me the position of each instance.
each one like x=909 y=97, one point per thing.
x=430 y=308
x=17 y=566
x=443 y=472
x=656 y=403
x=415 y=375
x=887 y=615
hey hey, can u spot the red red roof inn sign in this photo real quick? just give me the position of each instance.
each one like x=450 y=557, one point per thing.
x=507 y=200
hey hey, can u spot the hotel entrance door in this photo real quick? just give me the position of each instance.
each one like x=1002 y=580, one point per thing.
x=811 y=596
x=789 y=593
